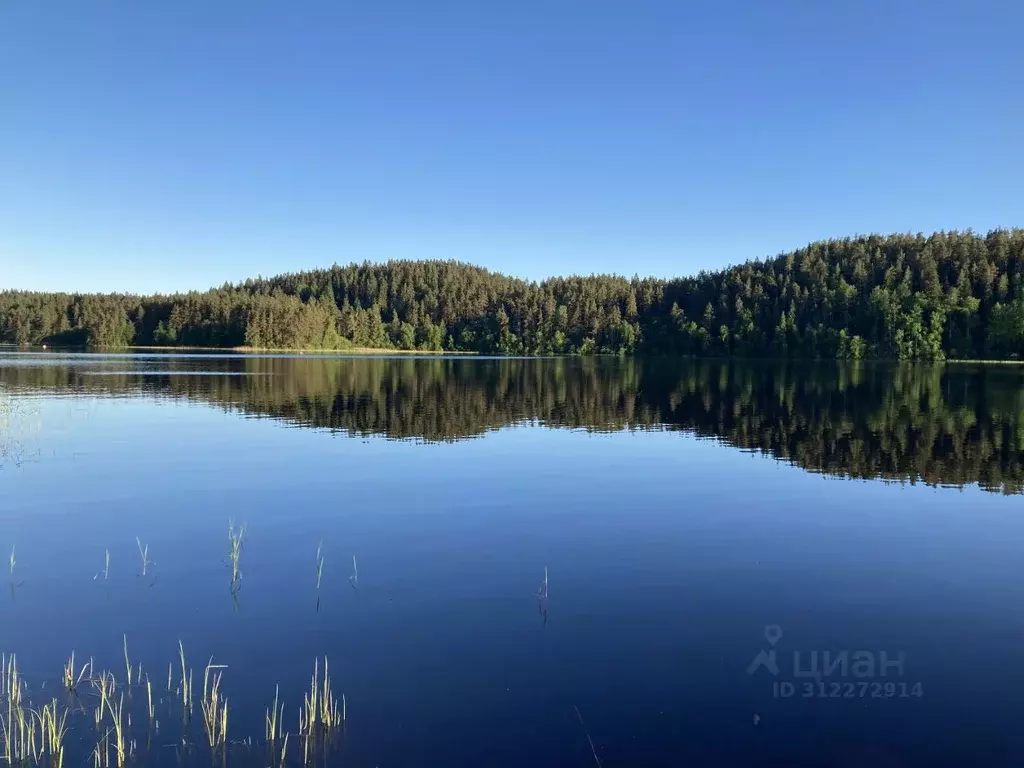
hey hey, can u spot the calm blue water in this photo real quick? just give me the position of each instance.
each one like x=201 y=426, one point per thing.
x=680 y=509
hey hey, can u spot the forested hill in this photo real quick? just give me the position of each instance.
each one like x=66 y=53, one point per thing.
x=950 y=295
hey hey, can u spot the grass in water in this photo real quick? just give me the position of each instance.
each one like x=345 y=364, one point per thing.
x=284 y=751
x=273 y=731
x=275 y=718
x=101 y=752
x=12 y=561
x=105 y=686
x=127 y=664
x=31 y=736
x=106 y=568
x=15 y=728
x=235 y=536
x=144 y=554
x=122 y=748
x=593 y=749
x=319 y=563
x=186 y=682
x=215 y=707
x=320 y=715
x=72 y=680
x=52 y=730
x=320 y=710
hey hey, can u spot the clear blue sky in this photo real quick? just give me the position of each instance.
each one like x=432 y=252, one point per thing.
x=177 y=144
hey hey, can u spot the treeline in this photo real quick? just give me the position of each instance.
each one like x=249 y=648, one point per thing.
x=950 y=295
x=943 y=425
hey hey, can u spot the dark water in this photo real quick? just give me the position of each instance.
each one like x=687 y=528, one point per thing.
x=681 y=508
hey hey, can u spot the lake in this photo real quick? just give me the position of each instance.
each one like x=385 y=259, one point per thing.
x=521 y=562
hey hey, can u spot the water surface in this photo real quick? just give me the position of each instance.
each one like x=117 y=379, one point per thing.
x=679 y=507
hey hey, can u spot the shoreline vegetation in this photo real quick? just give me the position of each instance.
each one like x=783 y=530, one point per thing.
x=949 y=295
x=354 y=351
x=291 y=351
x=385 y=352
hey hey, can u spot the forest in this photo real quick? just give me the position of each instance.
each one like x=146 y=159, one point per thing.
x=950 y=295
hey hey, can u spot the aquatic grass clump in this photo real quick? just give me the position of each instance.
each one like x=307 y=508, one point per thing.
x=275 y=718
x=331 y=715
x=273 y=731
x=106 y=568
x=105 y=685
x=16 y=729
x=35 y=736
x=11 y=562
x=149 y=698
x=101 y=752
x=127 y=664
x=186 y=682
x=52 y=730
x=144 y=554
x=214 y=706
x=71 y=679
x=319 y=563
x=31 y=736
x=123 y=747
x=284 y=752
x=320 y=715
x=235 y=537
x=18 y=734
x=10 y=681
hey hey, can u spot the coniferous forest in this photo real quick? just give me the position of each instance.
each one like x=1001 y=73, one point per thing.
x=953 y=295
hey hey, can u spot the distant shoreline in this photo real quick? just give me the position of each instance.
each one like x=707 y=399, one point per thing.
x=249 y=350
x=383 y=352
x=350 y=351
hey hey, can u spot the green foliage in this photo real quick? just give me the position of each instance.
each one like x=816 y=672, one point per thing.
x=406 y=337
x=1006 y=330
x=950 y=295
